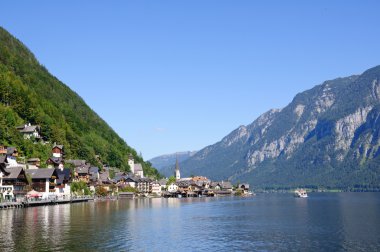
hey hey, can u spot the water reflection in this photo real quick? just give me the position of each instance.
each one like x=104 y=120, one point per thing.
x=330 y=222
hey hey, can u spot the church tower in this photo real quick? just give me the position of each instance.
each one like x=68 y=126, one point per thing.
x=131 y=163
x=177 y=174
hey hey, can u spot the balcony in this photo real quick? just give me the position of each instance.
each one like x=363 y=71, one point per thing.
x=39 y=184
x=20 y=192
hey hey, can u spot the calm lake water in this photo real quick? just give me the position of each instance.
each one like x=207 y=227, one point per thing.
x=267 y=222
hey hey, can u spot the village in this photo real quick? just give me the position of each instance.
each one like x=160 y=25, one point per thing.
x=26 y=181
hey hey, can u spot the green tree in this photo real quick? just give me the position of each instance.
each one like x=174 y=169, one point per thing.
x=101 y=191
x=171 y=180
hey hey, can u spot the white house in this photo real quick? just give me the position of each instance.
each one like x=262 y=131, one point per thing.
x=172 y=187
x=44 y=181
x=156 y=188
x=12 y=181
x=30 y=131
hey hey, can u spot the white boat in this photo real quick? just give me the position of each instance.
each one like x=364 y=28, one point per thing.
x=300 y=193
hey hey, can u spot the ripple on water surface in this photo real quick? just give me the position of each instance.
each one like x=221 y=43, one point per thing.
x=268 y=222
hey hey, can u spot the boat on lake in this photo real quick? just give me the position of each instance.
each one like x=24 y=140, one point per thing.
x=300 y=193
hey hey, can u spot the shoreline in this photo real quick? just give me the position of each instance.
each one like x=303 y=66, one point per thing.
x=25 y=204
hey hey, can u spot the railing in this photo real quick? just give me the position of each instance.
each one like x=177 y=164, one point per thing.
x=39 y=184
x=20 y=184
x=20 y=192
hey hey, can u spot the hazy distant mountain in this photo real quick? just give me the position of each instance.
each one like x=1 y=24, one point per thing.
x=327 y=136
x=163 y=161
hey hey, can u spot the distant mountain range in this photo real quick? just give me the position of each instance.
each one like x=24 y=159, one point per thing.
x=168 y=161
x=328 y=136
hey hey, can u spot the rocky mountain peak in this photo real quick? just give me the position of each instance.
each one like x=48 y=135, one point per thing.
x=321 y=137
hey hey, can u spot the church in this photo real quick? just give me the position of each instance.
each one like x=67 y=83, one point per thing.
x=177 y=173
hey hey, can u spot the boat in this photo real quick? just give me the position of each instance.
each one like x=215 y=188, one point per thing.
x=300 y=193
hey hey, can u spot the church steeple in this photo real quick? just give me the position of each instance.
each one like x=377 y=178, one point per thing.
x=177 y=173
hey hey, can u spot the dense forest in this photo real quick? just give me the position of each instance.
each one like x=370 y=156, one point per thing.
x=29 y=93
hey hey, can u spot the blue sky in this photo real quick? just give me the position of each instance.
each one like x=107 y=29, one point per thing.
x=171 y=76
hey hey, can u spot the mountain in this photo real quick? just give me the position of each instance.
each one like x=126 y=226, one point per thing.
x=328 y=136
x=169 y=160
x=29 y=93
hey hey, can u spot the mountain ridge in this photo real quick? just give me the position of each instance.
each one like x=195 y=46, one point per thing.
x=310 y=142
x=167 y=161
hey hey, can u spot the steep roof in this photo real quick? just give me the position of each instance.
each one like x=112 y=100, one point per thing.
x=223 y=184
x=103 y=176
x=11 y=150
x=82 y=169
x=41 y=173
x=3 y=159
x=30 y=129
x=55 y=160
x=163 y=181
x=63 y=175
x=226 y=185
x=58 y=146
x=138 y=167
x=246 y=186
x=13 y=172
x=183 y=183
x=131 y=179
x=93 y=170
x=76 y=163
x=141 y=180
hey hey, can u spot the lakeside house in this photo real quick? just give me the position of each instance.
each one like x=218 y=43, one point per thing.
x=82 y=173
x=13 y=181
x=44 y=181
x=172 y=187
x=156 y=188
x=244 y=188
x=222 y=186
x=163 y=183
x=63 y=181
x=54 y=182
x=144 y=185
x=51 y=182
x=93 y=175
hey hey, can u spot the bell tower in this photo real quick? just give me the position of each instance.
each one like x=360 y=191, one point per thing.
x=131 y=163
x=177 y=173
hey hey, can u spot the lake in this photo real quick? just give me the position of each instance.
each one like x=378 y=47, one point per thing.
x=266 y=222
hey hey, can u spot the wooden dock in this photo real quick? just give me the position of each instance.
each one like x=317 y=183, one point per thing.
x=6 y=205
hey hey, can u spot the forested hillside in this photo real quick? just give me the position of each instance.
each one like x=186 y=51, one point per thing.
x=29 y=93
